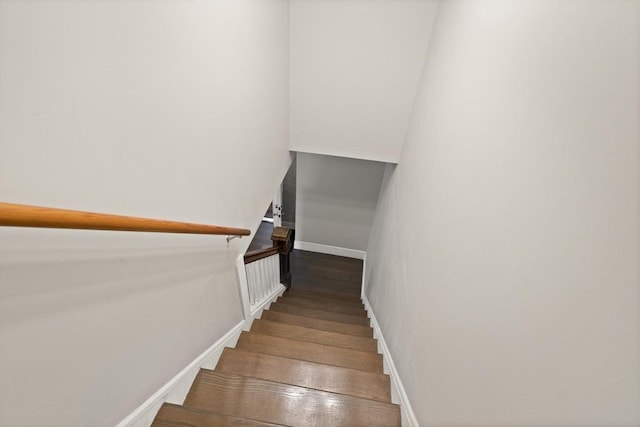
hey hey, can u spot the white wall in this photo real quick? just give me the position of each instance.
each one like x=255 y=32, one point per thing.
x=504 y=260
x=173 y=110
x=355 y=67
x=336 y=200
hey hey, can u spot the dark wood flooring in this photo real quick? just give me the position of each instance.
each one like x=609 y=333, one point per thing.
x=310 y=360
x=311 y=271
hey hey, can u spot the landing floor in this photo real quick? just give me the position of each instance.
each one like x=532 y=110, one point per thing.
x=312 y=271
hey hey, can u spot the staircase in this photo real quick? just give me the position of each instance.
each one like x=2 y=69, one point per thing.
x=311 y=360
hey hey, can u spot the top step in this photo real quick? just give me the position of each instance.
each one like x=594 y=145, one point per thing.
x=332 y=298
x=335 y=306
x=319 y=314
x=320 y=324
x=346 y=297
x=301 y=333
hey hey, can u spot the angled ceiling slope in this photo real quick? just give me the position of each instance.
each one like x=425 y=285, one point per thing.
x=354 y=73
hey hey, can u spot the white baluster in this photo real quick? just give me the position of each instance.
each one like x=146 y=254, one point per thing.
x=269 y=273
x=251 y=284
x=261 y=278
x=256 y=282
x=265 y=281
x=260 y=271
x=276 y=271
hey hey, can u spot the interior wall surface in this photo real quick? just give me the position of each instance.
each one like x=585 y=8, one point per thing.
x=355 y=68
x=336 y=200
x=503 y=265
x=170 y=110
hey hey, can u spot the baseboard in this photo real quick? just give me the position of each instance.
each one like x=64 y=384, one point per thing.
x=176 y=389
x=398 y=393
x=243 y=288
x=326 y=249
x=364 y=276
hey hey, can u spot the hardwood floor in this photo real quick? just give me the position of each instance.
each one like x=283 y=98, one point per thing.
x=314 y=302
x=183 y=416
x=310 y=360
x=302 y=350
x=355 y=382
x=324 y=273
x=317 y=336
x=285 y=404
x=320 y=314
x=323 y=325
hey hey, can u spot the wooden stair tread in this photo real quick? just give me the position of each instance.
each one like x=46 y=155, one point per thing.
x=323 y=304
x=312 y=352
x=320 y=314
x=353 y=382
x=345 y=299
x=285 y=404
x=324 y=325
x=171 y=415
x=302 y=333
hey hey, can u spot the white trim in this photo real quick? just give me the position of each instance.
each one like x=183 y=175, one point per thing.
x=364 y=274
x=176 y=389
x=243 y=288
x=326 y=249
x=398 y=393
x=265 y=219
x=256 y=311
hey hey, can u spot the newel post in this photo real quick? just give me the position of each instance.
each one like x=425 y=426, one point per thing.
x=282 y=238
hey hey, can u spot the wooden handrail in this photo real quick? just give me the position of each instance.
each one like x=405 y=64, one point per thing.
x=253 y=256
x=13 y=215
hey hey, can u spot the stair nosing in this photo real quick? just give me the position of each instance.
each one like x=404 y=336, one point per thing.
x=291 y=300
x=323 y=320
x=210 y=371
x=374 y=340
x=315 y=363
x=194 y=408
x=328 y=364
x=347 y=295
x=338 y=299
x=328 y=312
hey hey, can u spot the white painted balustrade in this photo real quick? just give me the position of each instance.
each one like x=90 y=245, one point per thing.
x=263 y=277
